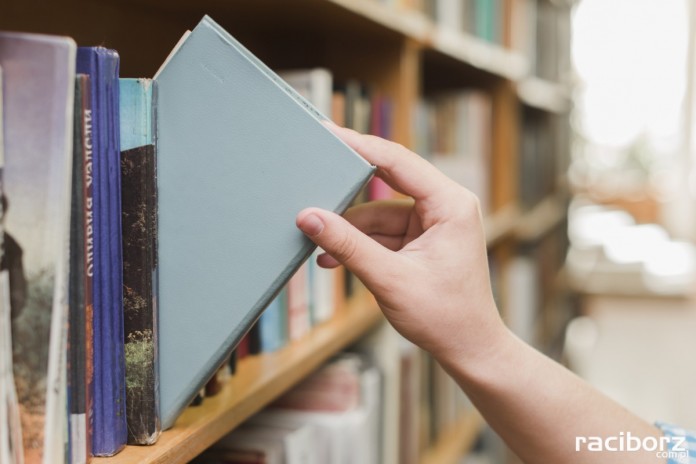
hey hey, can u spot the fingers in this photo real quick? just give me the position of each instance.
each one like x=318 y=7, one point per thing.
x=359 y=253
x=391 y=242
x=386 y=217
x=405 y=170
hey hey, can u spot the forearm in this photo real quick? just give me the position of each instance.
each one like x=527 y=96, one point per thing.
x=541 y=409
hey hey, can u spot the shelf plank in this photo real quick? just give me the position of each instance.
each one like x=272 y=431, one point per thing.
x=500 y=224
x=409 y=23
x=258 y=381
x=455 y=441
x=544 y=95
x=478 y=53
x=536 y=223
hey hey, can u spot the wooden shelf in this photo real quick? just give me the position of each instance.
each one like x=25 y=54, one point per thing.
x=258 y=381
x=478 y=53
x=409 y=23
x=491 y=58
x=455 y=441
x=500 y=224
x=536 y=223
x=544 y=95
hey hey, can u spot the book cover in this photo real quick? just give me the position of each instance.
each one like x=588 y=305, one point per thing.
x=240 y=153
x=108 y=392
x=39 y=81
x=138 y=213
x=10 y=426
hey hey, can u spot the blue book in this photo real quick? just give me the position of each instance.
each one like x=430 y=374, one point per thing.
x=240 y=153
x=109 y=400
x=273 y=326
x=138 y=221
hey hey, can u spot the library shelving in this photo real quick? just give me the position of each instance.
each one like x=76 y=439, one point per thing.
x=405 y=55
x=259 y=380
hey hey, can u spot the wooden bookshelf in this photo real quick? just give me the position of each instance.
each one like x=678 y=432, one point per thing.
x=258 y=381
x=395 y=49
x=500 y=224
x=455 y=441
x=544 y=95
x=541 y=219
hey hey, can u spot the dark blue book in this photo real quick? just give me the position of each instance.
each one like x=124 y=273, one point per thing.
x=109 y=399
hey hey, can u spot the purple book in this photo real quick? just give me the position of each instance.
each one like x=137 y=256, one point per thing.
x=108 y=391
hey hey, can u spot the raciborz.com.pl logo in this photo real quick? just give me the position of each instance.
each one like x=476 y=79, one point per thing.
x=664 y=447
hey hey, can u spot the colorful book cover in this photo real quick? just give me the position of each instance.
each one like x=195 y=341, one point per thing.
x=108 y=393
x=39 y=82
x=235 y=132
x=137 y=98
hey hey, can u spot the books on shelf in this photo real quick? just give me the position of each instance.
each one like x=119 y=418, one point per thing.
x=103 y=216
x=454 y=132
x=333 y=416
x=483 y=19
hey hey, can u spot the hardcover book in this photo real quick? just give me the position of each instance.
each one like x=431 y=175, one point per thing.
x=138 y=212
x=39 y=82
x=108 y=392
x=240 y=153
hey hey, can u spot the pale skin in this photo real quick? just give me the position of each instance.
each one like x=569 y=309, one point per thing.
x=425 y=262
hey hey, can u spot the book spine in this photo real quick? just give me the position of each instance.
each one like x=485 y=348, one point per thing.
x=76 y=298
x=108 y=391
x=115 y=250
x=139 y=293
x=88 y=194
x=298 y=308
x=269 y=326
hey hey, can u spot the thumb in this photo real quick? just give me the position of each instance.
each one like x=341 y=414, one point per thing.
x=356 y=251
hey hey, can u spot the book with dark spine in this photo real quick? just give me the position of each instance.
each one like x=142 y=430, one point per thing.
x=137 y=100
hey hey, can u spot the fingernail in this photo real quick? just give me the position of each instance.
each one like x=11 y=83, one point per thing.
x=329 y=123
x=311 y=225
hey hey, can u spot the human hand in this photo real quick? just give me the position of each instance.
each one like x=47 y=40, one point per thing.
x=423 y=259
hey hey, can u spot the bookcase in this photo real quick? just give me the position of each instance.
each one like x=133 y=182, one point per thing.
x=399 y=49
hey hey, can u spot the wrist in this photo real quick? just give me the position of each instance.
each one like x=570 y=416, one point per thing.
x=478 y=351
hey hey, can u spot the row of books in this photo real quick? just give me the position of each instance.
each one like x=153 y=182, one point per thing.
x=338 y=413
x=540 y=29
x=544 y=155
x=484 y=19
x=454 y=131
x=333 y=416
x=79 y=282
